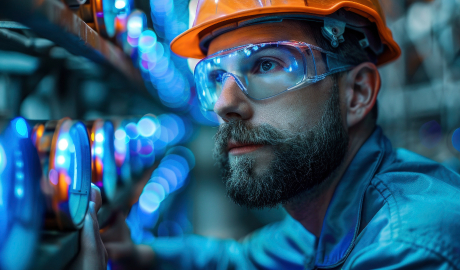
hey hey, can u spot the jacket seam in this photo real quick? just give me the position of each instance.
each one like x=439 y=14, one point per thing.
x=412 y=244
x=392 y=204
x=397 y=237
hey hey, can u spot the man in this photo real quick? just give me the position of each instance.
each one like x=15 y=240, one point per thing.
x=295 y=84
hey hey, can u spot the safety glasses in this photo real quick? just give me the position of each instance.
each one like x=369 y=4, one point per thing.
x=264 y=70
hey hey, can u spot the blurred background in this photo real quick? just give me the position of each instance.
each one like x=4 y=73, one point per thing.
x=48 y=72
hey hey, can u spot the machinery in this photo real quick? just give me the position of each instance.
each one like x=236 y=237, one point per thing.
x=60 y=61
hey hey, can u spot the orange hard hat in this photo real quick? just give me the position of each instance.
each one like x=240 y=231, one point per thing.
x=214 y=17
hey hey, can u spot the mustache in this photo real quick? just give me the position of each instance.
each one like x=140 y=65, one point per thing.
x=243 y=132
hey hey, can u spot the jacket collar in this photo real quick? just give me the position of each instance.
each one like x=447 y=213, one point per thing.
x=341 y=223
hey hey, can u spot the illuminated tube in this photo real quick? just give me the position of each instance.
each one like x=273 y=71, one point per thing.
x=137 y=23
x=21 y=203
x=100 y=15
x=64 y=150
x=104 y=170
x=104 y=15
x=122 y=155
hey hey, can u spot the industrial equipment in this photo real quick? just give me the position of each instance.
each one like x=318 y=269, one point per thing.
x=21 y=203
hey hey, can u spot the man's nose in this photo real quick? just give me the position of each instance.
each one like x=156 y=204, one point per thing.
x=232 y=103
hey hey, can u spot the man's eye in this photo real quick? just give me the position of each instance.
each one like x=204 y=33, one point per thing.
x=267 y=65
x=216 y=76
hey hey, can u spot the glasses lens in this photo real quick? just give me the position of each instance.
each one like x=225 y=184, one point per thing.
x=261 y=70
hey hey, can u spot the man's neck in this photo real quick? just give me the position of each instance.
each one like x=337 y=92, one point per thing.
x=310 y=208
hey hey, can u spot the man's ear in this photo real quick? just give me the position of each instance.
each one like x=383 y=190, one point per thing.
x=362 y=87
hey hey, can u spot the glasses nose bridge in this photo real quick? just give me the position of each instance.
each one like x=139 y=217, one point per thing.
x=237 y=80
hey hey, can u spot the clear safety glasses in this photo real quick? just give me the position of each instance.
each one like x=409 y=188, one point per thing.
x=264 y=70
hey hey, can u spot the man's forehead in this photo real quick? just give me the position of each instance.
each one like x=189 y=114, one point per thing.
x=280 y=31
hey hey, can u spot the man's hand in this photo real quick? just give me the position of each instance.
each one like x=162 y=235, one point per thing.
x=93 y=255
x=123 y=253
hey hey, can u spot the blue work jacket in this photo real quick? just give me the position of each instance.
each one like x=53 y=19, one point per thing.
x=392 y=209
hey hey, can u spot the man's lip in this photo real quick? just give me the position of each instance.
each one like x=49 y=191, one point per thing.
x=236 y=148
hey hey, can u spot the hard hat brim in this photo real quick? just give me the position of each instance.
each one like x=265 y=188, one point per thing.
x=187 y=44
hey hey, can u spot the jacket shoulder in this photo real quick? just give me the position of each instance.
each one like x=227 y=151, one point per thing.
x=422 y=198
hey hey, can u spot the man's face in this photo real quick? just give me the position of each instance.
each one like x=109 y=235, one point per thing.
x=274 y=149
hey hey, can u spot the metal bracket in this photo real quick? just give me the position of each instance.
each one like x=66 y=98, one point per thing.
x=333 y=30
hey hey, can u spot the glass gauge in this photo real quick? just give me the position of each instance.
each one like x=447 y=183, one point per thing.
x=104 y=170
x=64 y=151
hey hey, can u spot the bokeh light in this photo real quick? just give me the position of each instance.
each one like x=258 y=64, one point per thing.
x=149 y=200
x=147 y=41
x=163 y=182
x=147 y=125
x=183 y=152
x=430 y=134
x=120 y=4
x=21 y=127
x=131 y=131
x=120 y=135
x=137 y=22
x=169 y=175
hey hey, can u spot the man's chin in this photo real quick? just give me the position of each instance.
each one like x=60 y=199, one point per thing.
x=261 y=160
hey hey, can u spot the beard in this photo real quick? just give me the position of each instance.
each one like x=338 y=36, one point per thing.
x=302 y=161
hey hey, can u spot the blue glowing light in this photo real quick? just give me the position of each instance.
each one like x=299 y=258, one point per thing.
x=149 y=201
x=179 y=171
x=163 y=138
x=19 y=192
x=456 y=139
x=182 y=152
x=159 y=68
x=155 y=54
x=169 y=175
x=163 y=182
x=147 y=41
x=157 y=189
x=145 y=147
x=171 y=125
x=120 y=135
x=98 y=150
x=63 y=144
x=131 y=131
x=177 y=161
x=430 y=134
x=136 y=24
x=120 y=146
x=120 y=4
x=60 y=160
x=147 y=126
x=180 y=128
x=99 y=137
x=19 y=175
x=21 y=127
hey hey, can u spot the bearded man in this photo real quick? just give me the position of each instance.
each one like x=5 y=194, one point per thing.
x=294 y=84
